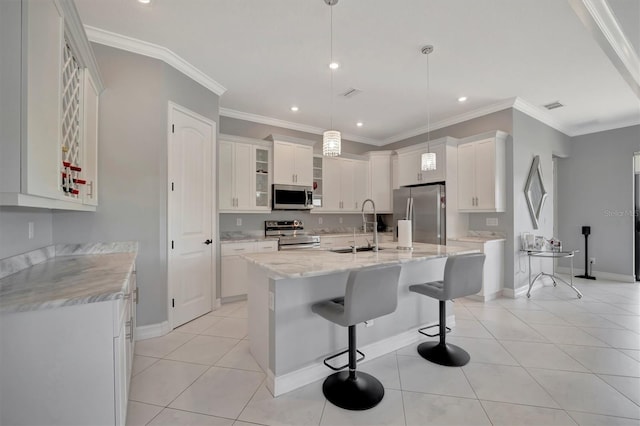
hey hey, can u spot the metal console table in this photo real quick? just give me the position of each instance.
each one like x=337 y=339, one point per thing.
x=553 y=276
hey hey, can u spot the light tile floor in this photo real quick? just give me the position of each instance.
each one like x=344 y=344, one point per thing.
x=549 y=360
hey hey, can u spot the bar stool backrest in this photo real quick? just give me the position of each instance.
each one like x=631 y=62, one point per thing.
x=463 y=275
x=371 y=293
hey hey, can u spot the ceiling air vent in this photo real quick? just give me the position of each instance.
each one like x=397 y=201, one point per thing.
x=350 y=93
x=553 y=105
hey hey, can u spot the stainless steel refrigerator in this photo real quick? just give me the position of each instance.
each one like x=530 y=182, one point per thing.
x=428 y=217
x=637 y=224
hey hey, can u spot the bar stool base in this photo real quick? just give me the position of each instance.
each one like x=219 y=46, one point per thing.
x=443 y=354
x=361 y=393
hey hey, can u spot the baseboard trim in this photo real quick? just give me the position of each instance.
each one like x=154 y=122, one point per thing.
x=152 y=330
x=486 y=298
x=520 y=291
x=602 y=275
x=303 y=376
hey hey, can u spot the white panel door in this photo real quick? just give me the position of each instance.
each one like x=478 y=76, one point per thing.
x=360 y=183
x=244 y=172
x=303 y=160
x=347 y=185
x=466 y=176
x=283 y=163
x=226 y=191
x=190 y=214
x=485 y=175
x=331 y=184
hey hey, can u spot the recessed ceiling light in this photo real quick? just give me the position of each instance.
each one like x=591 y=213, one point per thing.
x=359 y=124
x=294 y=108
x=144 y=1
x=334 y=65
x=462 y=98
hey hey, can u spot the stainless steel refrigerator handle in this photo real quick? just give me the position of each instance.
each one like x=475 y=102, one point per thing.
x=406 y=216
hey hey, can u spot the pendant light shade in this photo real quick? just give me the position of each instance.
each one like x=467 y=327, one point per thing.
x=331 y=143
x=428 y=162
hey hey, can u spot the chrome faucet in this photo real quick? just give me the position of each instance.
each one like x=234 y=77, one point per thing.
x=375 y=223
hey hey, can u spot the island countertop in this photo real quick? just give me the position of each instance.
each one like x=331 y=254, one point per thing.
x=67 y=279
x=308 y=263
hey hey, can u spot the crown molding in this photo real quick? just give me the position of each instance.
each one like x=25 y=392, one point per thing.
x=155 y=51
x=603 y=127
x=540 y=114
x=597 y=17
x=498 y=106
x=255 y=118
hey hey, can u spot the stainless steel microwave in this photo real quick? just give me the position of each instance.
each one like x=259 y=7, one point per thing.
x=292 y=197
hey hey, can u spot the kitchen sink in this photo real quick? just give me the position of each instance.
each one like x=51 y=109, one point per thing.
x=350 y=250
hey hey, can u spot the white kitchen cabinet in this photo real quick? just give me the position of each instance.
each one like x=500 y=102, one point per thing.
x=481 y=173
x=90 y=165
x=233 y=272
x=292 y=163
x=244 y=167
x=345 y=184
x=410 y=163
x=70 y=364
x=493 y=272
x=52 y=101
x=380 y=180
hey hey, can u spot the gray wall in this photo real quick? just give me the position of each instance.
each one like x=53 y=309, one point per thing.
x=249 y=129
x=530 y=138
x=133 y=166
x=596 y=189
x=14 y=230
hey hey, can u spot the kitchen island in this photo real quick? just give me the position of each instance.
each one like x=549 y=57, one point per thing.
x=289 y=341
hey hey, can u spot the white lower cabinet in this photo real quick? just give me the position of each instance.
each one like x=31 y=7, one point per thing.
x=234 y=268
x=68 y=365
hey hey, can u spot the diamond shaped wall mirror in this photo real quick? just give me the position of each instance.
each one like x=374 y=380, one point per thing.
x=534 y=191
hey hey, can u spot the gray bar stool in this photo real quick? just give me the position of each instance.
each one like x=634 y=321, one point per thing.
x=462 y=277
x=370 y=293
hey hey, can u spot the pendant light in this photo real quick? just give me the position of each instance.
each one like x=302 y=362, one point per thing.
x=331 y=139
x=428 y=159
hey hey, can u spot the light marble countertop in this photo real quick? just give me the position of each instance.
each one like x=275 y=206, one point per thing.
x=476 y=239
x=307 y=263
x=77 y=274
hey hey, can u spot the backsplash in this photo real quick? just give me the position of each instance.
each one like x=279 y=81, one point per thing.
x=253 y=224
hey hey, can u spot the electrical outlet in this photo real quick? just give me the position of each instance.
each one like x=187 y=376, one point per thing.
x=592 y=260
x=31 y=233
x=368 y=323
x=492 y=221
x=238 y=221
x=320 y=221
x=340 y=219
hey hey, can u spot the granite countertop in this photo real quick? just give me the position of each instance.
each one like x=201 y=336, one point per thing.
x=67 y=275
x=245 y=239
x=476 y=239
x=307 y=263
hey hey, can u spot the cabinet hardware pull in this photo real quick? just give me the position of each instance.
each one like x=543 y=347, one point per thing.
x=137 y=297
x=90 y=193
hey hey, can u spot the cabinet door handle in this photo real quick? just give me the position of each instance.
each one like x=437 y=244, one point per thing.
x=136 y=296
x=129 y=325
x=90 y=192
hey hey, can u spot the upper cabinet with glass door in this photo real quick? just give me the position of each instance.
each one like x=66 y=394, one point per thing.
x=244 y=175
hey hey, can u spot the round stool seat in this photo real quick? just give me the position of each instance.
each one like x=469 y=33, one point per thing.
x=359 y=393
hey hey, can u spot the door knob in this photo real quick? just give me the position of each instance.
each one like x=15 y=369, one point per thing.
x=208 y=242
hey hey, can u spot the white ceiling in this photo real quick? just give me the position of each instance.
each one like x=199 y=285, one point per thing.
x=270 y=55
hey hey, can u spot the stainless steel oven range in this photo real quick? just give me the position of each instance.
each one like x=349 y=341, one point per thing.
x=291 y=234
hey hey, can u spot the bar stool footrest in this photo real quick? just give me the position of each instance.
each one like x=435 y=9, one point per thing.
x=421 y=330
x=337 y=355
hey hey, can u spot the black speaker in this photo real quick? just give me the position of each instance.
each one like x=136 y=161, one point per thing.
x=586 y=230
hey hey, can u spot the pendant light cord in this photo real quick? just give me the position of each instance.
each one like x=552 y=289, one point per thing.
x=331 y=71
x=428 y=103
